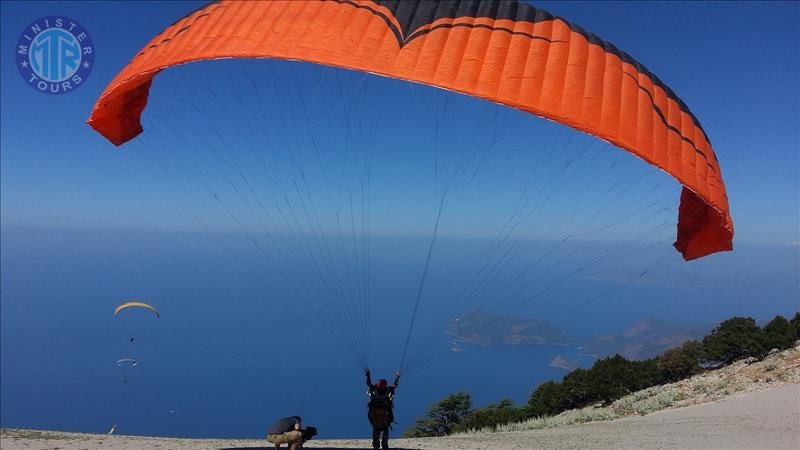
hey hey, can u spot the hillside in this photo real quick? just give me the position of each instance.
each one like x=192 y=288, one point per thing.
x=748 y=375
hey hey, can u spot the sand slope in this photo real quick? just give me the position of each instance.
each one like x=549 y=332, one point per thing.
x=768 y=419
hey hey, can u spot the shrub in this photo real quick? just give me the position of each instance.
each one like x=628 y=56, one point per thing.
x=778 y=333
x=681 y=362
x=491 y=416
x=795 y=322
x=546 y=400
x=442 y=416
x=734 y=339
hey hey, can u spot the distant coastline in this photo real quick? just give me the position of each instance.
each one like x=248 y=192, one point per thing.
x=641 y=340
x=484 y=329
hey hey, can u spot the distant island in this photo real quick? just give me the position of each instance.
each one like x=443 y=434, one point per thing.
x=564 y=363
x=644 y=339
x=481 y=328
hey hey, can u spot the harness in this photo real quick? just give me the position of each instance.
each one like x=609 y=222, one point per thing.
x=379 y=409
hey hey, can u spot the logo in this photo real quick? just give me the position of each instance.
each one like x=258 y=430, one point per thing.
x=54 y=54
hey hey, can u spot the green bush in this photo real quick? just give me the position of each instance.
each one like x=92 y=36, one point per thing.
x=778 y=333
x=795 y=322
x=680 y=362
x=734 y=339
x=491 y=416
x=442 y=416
x=546 y=400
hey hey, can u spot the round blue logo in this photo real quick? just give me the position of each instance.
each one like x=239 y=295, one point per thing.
x=54 y=54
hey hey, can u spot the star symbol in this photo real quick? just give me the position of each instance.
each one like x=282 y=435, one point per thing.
x=86 y=64
x=24 y=64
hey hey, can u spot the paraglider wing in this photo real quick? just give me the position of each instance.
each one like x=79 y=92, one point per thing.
x=506 y=52
x=127 y=362
x=135 y=304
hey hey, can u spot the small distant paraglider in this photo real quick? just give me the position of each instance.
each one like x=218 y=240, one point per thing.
x=130 y=339
x=127 y=362
x=132 y=304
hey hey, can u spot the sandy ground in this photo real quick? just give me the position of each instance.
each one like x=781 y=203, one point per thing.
x=768 y=419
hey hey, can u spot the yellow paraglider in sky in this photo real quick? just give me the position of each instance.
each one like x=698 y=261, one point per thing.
x=136 y=304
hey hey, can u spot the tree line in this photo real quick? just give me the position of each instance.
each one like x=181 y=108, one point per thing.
x=614 y=377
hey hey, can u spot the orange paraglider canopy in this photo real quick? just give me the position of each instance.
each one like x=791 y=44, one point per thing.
x=507 y=52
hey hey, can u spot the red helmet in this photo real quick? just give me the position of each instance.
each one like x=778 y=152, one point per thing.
x=381 y=384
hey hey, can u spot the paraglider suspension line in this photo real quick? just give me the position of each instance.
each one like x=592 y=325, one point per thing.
x=422 y=280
